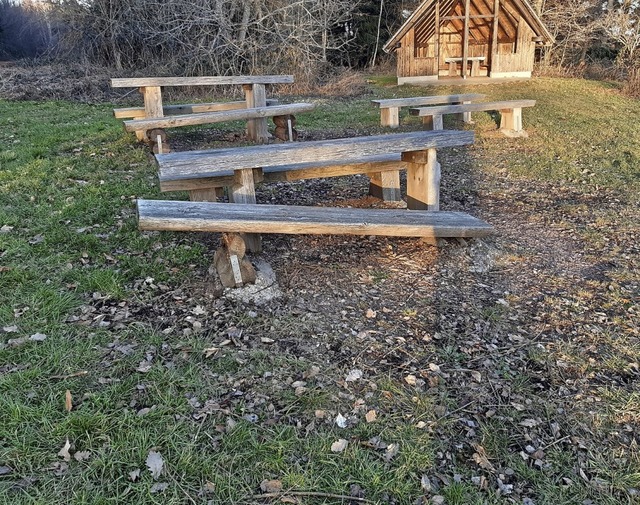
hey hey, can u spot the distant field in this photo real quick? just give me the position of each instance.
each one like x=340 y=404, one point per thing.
x=504 y=370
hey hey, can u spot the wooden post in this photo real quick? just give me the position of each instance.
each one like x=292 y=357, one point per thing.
x=434 y=122
x=423 y=180
x=494 y=44
x=511 y=122
x=152 y=96
x=256 y=96
x=437 y=48
x=206 y=195
x=234 y=269
x=466 y=116
x=386 y=186
x=244 y=191
x=390 y=116
x=465 y=43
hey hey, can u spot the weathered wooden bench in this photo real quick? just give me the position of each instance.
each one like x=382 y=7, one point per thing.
x=510 y=114
x=475 y=65
x=202 y=173
x=254 y=88
x=390 y=107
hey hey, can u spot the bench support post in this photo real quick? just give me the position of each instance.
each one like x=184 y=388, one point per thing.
x=390 y=116
x=152 y=96
x=511 y=122
x=206 y=195
x=453 y=69
x=256 y=96
x=466 y=116
x=423 y=180
x=434 y=122
x=244 y=191
x=386 y=186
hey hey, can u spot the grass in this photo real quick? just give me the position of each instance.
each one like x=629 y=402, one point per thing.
x=109 y=298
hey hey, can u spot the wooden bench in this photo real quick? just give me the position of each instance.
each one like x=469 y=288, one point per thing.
x=475 y=65
x=390 y=108
x=254 y=89
x=203 y=173
x=510 y=114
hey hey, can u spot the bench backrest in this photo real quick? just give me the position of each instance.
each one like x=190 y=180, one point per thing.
x=188 y=164
x=427 y=100
x=138 y=82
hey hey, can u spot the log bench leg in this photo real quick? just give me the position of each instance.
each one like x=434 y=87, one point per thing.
x=233 y=267
x=256 y=96
x=390 y=116
x=244 y=191
x=434 y=122
x=386 y=186
x=511 y=123
x=423 y=180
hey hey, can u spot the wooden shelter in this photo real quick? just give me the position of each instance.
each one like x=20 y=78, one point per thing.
x=479 y=38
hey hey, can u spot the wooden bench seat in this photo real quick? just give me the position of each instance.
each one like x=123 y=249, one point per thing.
x=216 y=117
x=390 y=107
x=288 y=219
x=510 y=114
x=187 y=108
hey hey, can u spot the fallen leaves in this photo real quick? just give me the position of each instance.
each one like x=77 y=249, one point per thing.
x=155 y=464
x=339 y=445
x=371 y=416
x=64 y=452
x=341 y=421
x=353 y=375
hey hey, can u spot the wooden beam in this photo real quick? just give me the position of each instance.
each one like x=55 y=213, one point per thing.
x=217 y=117
x=227 y=217
x=465 y=42
x=427 y=100
x=288 y=173
x=468 y=107
x=494 y=44
x=187 y=108
x=182 y=165
x=201 y=81
x=437 y=36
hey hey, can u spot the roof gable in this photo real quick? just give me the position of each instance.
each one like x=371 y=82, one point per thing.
x=425 y=13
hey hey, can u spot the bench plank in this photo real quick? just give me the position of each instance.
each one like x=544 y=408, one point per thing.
x=217 y=117
x=226 y=217
x=470 y=107
x=427 y=100
x=138 y=82
x=194 y=164
x=292 y=172
x=187 y=108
